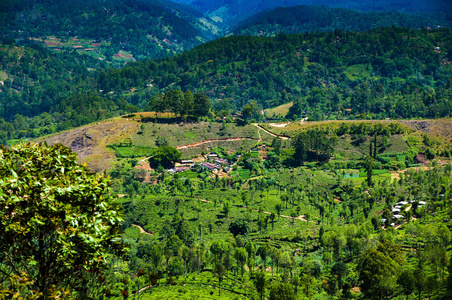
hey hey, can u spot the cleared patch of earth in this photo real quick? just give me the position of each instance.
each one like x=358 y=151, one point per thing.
x=280 y=125
x=90 y=141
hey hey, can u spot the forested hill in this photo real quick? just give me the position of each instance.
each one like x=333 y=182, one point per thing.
x=304 y=18
x=114 y=30
x=230 y=12
x=368 y=72
x=33 y=79
x=382 y=73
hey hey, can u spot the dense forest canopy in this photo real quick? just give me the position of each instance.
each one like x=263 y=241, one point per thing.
x=323 y=19
x=316 y=68
x=387 y=72
x=145 y=29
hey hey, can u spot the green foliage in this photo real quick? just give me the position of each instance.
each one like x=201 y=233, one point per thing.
x=242 y=173
x=260 y=282
x=131 y=151
x=377 y=273
x=313 y=144
x=181 y=104
x=304 y=18
x=239 y=227
x=281 y=291
x=59 y=225
x=165 y=156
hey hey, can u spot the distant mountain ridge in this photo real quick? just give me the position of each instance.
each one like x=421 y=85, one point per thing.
x=121 y=31
x=302 y=18
x=139 y=28
x=231 y=12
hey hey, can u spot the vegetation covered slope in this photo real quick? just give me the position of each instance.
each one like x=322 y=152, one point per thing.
x=315 y=232
x=327 y=71
x=116 y=31
x=303 y=18
x=386 y=72
x=232 y=11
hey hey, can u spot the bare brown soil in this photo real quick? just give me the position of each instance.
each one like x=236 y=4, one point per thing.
x=441 y=127
x=144 y=165
x=142 y=229
x=90 y=141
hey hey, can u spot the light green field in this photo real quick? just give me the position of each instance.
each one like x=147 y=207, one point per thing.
x=281 y=110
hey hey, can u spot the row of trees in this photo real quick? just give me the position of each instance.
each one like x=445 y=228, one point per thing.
x=182 y=104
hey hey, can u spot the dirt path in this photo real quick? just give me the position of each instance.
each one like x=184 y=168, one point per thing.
x=270 y=133
x=213 y=140
x=141 y=229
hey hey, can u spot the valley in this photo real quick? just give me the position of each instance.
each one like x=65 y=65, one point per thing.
x=277 y=150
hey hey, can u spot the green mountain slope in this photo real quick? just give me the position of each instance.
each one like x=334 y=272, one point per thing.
x=116 y=31
x=304 y=18
x=374 y=71
x=382 y=73
x=230 y=12
x=33 y=79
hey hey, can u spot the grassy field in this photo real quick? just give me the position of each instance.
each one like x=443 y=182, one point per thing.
x=90 y=141
x=350 y=148
x=356 y=72
x=191 y=133
x=281 y=110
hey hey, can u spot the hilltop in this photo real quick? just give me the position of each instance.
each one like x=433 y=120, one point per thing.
x=100 y=144
x=91 y=142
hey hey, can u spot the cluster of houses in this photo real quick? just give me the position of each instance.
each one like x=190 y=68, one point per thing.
x=216 y=163
x=213 y=163
x=397 y=210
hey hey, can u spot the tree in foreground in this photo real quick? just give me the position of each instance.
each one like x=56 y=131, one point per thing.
x=59 y=225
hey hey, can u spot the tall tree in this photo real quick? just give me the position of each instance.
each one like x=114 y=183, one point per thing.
x=312 y=144
x=260 y=282
x=369 y=165
x=202 y=104
x=59 y=225
x=188 y=104
x=377 y=274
